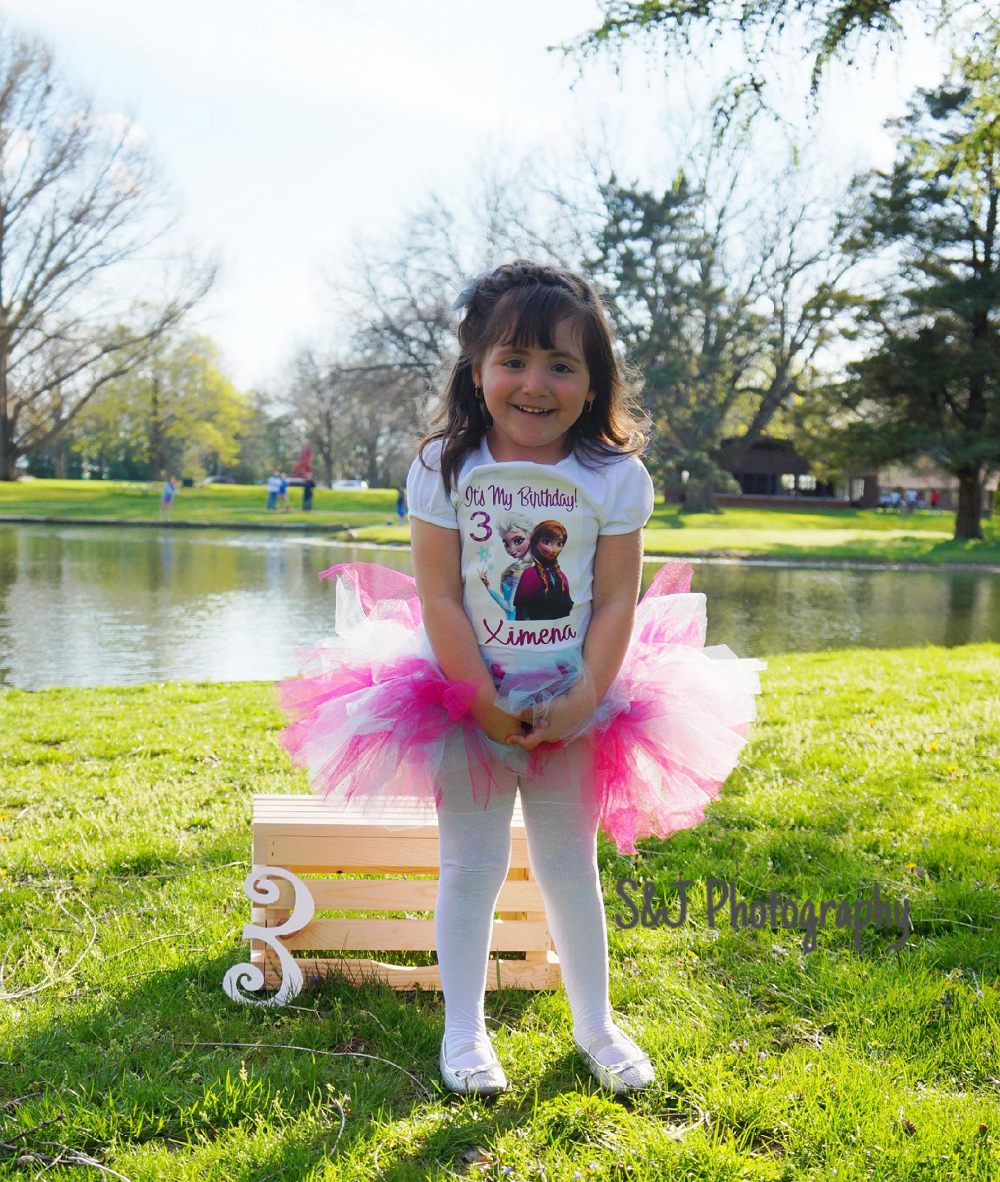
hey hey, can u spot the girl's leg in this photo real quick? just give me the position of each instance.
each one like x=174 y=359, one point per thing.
x=560 y=820
x=474 y=859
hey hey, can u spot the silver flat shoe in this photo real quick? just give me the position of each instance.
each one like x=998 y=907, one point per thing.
x=485 y=1080
x=629 y=1075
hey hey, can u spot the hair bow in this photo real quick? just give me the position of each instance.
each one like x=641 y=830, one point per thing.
x=468 y=293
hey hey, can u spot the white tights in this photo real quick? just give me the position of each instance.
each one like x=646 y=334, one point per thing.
x=561 y=829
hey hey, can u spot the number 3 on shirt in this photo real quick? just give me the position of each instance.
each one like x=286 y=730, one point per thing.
x=484 y=525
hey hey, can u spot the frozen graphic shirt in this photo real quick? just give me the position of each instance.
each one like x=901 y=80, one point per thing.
x=528 y=537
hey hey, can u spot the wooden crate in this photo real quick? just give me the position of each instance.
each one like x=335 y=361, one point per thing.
x=306 y=836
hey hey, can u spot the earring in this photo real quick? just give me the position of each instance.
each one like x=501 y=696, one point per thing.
x=479 y=393
x=588 y=406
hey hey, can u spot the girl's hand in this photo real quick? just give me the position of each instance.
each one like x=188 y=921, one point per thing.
x=565 y=713
x=499 y=726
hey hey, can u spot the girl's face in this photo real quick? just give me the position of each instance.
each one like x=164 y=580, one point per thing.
x=549 y=549
x=515 y=542
x=534 y=396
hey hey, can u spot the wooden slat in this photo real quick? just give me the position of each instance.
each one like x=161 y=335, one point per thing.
x=304 y=835
x=409 y=935
x=286 y=814
x=519 y=873
x=400 y=894
x=514 y=974
x=373 y=855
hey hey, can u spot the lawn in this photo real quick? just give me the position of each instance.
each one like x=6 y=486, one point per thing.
x=215 y=504
x=860 y=534
x=124 y=841
x=845 y=534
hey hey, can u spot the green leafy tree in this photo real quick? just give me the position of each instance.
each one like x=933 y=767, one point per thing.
x=930 y=385
x=830 y=28
x=176 y=412
x=724 y=293
x=269 y=440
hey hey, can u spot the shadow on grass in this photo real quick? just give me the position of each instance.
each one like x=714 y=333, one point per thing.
x=130 y=1069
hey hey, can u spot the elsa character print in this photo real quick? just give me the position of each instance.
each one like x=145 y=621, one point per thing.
x=515 y=533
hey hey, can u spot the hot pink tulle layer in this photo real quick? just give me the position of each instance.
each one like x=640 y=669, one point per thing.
x=375 y=721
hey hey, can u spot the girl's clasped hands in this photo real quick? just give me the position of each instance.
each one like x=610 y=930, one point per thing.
x=563 y=714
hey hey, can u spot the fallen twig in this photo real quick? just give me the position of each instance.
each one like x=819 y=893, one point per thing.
x=343 y=1124
x=13 y=1103
x=154 y=939
x=280 y=1046
x=45 y=1123
x=79 y=1158
x=33 y=989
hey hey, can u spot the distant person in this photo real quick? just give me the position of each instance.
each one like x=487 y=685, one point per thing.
x=283 y=505
x=401 y=503
x=307 y=492
x=911 y=498
x=273 y=488
x=167 y=500
x=935 y=500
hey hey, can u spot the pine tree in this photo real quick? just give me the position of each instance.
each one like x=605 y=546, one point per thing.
x=931 y=384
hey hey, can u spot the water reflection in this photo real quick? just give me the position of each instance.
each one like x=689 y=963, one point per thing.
x=105 y=605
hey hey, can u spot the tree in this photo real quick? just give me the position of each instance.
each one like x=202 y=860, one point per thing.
x=402 y=287
x=80 y=206
x=269 y=439
x=360 y=416
x=831 y=27
x=931 y=383
x=725 y=288
x=175 y=412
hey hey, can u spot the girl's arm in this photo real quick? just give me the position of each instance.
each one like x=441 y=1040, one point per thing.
x=617 y=578
x=438 y=570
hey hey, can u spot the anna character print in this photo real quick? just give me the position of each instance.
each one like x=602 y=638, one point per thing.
x=543 y=590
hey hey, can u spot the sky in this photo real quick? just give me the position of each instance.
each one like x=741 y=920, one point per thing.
x=290 y=129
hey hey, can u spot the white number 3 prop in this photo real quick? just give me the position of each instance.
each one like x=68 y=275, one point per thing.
x=259 y=889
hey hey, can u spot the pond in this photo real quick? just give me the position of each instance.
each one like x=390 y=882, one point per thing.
x=106 y=605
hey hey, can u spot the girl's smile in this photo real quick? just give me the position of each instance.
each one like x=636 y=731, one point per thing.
x=550 y=549
x=534 y=396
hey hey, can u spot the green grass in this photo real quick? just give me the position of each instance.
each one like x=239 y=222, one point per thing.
x=124 y=817
x=805 y=533
x=216 y=504
x=861 y=534
x=829 y=533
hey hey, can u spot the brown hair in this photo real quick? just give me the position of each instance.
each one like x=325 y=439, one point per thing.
x=521 y=303
x=547 y=531
x=551 y=531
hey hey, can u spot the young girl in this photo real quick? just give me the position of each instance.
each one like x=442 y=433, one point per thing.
x=603 y=715
x=515 y=533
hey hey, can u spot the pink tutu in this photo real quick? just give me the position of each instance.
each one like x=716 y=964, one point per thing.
x=372 y=713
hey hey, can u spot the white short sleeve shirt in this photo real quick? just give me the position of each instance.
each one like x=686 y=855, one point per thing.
x=528 y=538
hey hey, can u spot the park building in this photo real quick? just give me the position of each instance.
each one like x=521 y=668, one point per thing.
x=772 y=473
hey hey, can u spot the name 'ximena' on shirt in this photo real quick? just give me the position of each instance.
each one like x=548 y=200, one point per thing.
x=523 y=637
